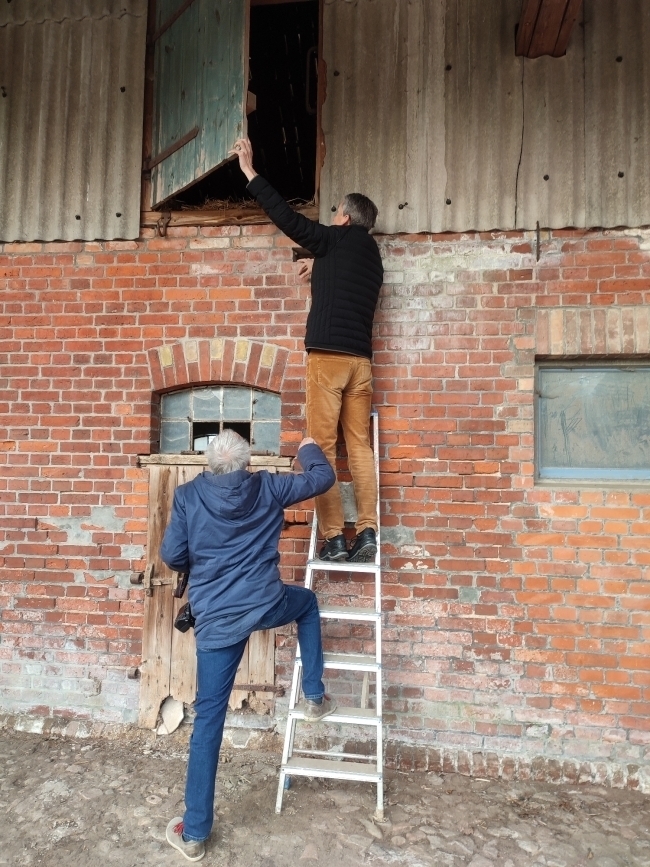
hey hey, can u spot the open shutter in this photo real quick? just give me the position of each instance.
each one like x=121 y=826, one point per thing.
x=201 y=78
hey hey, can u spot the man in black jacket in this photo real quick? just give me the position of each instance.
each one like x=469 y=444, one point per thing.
x=345 y=283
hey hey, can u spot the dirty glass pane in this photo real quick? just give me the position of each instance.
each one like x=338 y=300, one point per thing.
x=237 y=404
x=265 y=437
x=266 y=405
x=593 y=422
x=176 y=404
x=206 y=404
x=174 y=437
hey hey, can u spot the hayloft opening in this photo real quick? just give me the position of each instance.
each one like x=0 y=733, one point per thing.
x=283 y=66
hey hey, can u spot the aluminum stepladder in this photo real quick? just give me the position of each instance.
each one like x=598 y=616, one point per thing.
x=340 y=765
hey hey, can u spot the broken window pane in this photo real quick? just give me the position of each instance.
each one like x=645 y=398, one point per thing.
x=174 y=437
x=206 y=404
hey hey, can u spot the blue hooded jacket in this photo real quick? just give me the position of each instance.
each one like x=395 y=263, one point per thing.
x=224 y=531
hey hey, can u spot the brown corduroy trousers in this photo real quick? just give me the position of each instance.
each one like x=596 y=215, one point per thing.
x=339 y=388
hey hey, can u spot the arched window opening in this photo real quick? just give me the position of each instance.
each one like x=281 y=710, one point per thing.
x=190 y=418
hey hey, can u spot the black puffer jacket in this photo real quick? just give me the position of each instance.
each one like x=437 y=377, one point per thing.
x=346 y=279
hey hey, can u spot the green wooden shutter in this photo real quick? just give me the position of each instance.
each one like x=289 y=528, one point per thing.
x=201 y=77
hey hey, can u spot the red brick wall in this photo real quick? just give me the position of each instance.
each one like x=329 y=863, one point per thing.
x=518 y=614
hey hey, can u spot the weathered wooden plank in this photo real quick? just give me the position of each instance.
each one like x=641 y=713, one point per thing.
x=226 y=216
x=239 y=696
x=526 y=26
x=201 y=71
x=156 y=655
x=182 y=679
x=158 y=616
x=200 y=461
x=570 y=18
x=261 y=666
x=547 y=27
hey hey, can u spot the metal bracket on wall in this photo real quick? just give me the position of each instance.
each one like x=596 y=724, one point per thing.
x=163 y=222
x=148 y=580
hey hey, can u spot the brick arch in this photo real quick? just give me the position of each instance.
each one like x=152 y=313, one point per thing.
x=219 y=359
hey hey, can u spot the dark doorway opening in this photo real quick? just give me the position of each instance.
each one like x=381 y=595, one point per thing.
x=204 y=431
x=283 y=63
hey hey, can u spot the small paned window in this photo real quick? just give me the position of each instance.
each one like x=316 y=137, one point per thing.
x=192 y=417
x=592 y=421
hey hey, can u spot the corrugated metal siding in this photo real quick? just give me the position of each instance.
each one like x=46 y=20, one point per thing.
x=617 y=112
x=71 y=120
x=428 y=104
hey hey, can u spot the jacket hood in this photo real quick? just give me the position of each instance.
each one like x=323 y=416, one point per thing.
x=232 y=495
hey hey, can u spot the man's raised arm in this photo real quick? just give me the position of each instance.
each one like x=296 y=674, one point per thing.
x=311 y=235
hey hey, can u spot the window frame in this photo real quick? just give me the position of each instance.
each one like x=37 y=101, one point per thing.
x=578 y=481
x=251 y=418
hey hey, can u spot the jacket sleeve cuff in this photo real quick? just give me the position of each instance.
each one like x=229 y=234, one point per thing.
x=256 y=186
x=310 y=454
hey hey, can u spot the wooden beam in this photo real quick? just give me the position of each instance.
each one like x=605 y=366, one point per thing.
x=227 y=216
x=545 y=27
x=526 y=27
x=570 y=18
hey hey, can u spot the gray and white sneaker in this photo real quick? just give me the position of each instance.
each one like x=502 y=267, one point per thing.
x=193 y=850
x=315 y=711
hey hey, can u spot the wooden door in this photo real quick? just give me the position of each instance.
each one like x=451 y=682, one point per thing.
x=168 y=656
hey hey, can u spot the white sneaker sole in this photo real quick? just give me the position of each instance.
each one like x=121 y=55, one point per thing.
x=173 y=840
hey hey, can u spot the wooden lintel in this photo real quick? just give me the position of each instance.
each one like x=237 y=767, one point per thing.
x=545 y=27
x=223 y=217
x=200 y=460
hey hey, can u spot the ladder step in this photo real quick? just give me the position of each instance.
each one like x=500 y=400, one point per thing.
x=300 y=767
x=349 y=715
x=341 y=566
x=348 y=661
x=342 y=612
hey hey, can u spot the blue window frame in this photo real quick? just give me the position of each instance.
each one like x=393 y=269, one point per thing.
x=592 y=421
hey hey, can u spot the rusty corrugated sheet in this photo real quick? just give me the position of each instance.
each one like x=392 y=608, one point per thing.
x=72 y=73
x=428 y=105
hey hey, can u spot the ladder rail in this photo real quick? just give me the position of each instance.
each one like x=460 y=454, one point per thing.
x=330 y=766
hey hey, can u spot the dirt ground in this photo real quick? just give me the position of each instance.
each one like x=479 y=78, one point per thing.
x=92 y=803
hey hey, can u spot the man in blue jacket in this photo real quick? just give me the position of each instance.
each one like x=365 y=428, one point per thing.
x=224 y=531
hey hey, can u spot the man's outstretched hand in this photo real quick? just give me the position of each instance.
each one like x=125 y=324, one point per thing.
x=304 y=268
x=295 y=464
x=243 y=149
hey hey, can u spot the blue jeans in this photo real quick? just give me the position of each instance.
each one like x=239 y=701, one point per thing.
x=216 y=671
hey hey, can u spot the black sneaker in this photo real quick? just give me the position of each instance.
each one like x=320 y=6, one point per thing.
x=364 y=547
x=334 y=549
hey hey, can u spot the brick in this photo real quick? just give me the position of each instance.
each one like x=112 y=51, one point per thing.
x=504 y=575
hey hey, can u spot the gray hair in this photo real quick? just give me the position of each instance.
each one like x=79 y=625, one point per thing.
x=228 y=452
x=360 y=209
